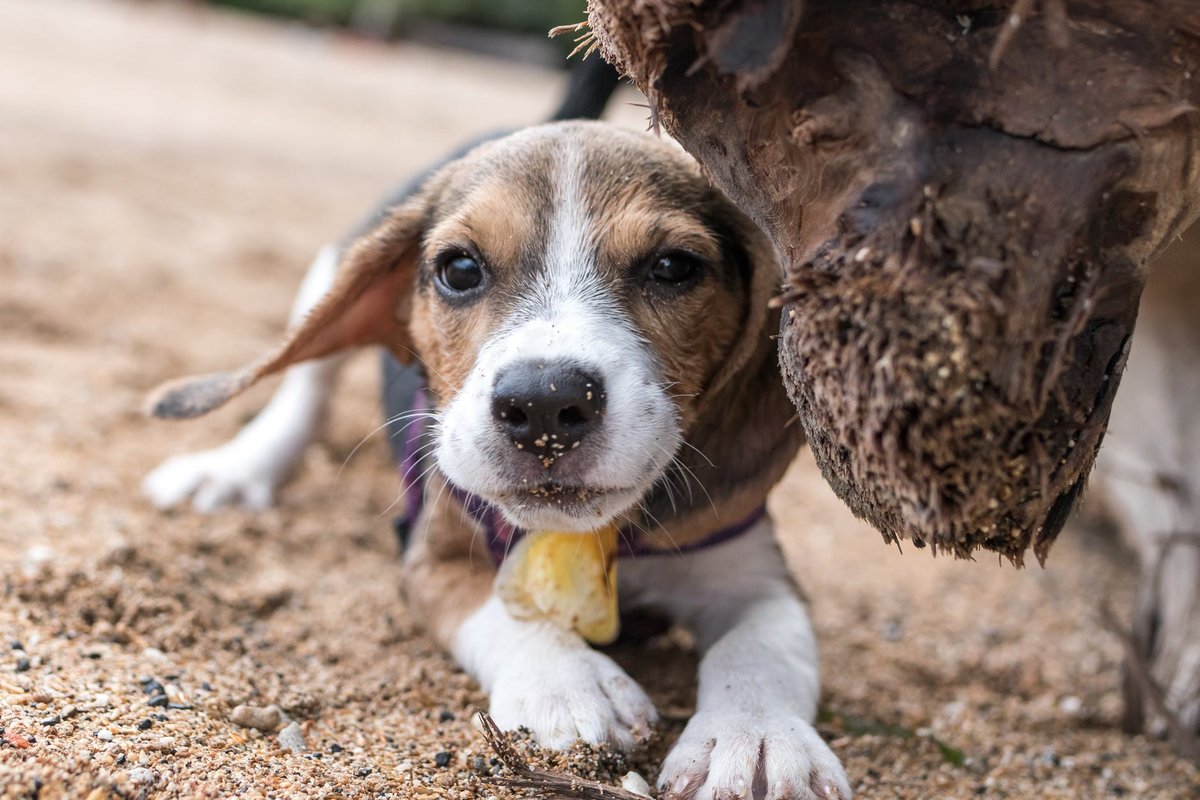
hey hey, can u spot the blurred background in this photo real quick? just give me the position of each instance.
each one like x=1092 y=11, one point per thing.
x=506 y=28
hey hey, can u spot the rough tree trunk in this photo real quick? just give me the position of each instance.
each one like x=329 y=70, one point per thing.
x=968 y=196
x=965 y=242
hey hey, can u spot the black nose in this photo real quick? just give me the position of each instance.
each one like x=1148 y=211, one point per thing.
x=547 y=407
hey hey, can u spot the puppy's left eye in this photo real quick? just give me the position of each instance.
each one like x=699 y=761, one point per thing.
x=459 y=273
x=674 y=268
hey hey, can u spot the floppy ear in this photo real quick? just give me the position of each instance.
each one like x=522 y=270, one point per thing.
x=765 y=279
x=367 y=304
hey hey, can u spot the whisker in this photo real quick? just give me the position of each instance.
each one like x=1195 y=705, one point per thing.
x=508 y=543
x=668 y=488
x=404 y=477
x=672 y=480
x=438 y=500
x=431 y=454
x=625 y=537
x=685 y=470
x=411 y=416
x=700 y=453
x=427 y=366
x=699 y=483
x=671 y=539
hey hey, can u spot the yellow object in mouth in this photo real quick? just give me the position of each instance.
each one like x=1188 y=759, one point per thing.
x=567 y=578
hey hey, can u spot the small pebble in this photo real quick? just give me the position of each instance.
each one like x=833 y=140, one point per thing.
x=23 y=664
x=151 y=686
x=158 y=701
x=363 y=772
x=291 y=738
x=335 y=748
x=104 y=735
x=68 y=711
x=145 y=724
x=34 y=558
x=50 y=722
x=266 y=719
x=142 y=776
x=442 y=759
x=445 y=715
x=15 y=645
x=1070 y=704
x=634 y=782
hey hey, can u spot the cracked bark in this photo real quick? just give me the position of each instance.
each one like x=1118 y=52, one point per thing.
x=964 y=246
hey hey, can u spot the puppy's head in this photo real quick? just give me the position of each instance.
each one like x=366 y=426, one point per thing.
x=576 y=293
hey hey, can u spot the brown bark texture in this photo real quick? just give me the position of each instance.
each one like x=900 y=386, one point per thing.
x=967 y=197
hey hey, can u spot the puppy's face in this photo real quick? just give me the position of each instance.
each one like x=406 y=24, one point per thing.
x=576 y=293
x=579 y=289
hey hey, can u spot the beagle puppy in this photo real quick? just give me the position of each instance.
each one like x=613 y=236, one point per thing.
x=591 y=320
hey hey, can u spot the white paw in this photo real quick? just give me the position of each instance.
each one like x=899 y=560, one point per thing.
x=566 y=694
x=223 y=476
x=722 y=756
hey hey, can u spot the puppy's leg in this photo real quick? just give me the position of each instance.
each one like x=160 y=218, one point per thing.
x=752 y=733
x=248 y=469
x=538 y=675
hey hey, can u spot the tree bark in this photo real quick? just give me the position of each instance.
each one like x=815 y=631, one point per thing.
x=966 y=196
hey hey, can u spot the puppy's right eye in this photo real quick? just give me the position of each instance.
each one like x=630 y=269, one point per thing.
x=459 y=273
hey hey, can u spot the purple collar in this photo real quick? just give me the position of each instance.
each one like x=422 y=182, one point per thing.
x=501 y=534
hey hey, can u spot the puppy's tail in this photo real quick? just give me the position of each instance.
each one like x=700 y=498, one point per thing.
x=591 y=83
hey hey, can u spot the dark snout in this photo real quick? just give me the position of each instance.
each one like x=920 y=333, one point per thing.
x=547 y=408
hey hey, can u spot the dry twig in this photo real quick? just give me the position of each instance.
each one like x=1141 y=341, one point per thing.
x=548 y=784
x=1139 y=671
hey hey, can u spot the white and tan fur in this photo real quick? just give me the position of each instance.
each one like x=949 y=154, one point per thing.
x=564 y=215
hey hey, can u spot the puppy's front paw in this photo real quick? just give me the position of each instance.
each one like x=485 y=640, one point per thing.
x=722 y=756
x=214 y=478
x=570 y=694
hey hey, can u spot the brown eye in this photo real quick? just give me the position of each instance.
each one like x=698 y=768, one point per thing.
x=459 y=273
x=674 y=268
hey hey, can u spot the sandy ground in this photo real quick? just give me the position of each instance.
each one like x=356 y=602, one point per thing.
x=164 y=178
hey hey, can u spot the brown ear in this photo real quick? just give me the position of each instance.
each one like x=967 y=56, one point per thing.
x=366 y=305
x=765 y=280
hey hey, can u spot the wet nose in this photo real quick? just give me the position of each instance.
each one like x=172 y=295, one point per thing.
x=547 y=407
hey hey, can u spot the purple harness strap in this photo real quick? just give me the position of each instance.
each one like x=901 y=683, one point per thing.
x=501 y=534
